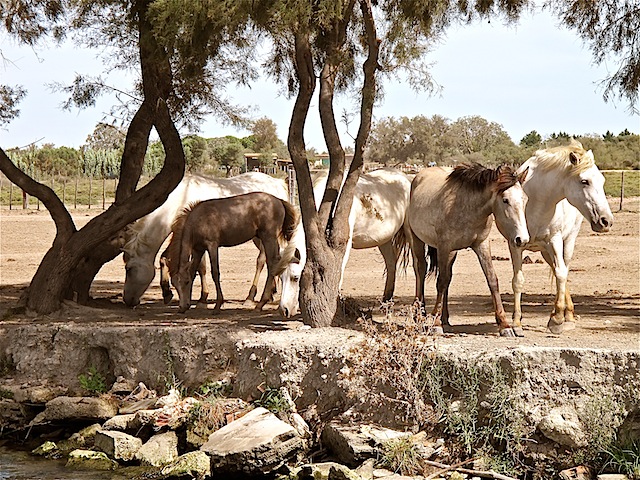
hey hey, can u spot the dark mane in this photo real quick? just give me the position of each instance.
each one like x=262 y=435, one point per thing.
x=175 y=246
x=476 y=177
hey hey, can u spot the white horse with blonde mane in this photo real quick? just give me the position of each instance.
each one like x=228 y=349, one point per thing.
x=563 y=185
x=377 y=217
x=143 y=239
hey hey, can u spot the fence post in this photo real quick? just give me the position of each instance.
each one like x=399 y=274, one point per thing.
x=104 y=186
x=621 y=189
x=90 y=188
x=11 y=196
x=75 y=195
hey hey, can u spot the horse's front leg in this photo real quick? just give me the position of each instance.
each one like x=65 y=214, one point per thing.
x=215 y=274
x=165 y=285
x=273 y=258
x=483 y=251
x=260 y=262
x=388 y=252
x=558 y=323
x=517 y=283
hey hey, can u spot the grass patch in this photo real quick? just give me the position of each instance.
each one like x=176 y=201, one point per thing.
x=614 y=181
x=402 y=455
x=93 y=381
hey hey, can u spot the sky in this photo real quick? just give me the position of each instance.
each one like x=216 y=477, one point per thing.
x=534 y=76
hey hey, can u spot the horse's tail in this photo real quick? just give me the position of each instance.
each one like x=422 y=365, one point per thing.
x=432 y=256
x=290 y=222
x=402 y=247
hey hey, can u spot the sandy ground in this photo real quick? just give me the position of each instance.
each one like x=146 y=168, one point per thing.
x=604 y=281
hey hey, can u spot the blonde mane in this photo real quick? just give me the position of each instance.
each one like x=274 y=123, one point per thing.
x=135 y=237
x=560 y=158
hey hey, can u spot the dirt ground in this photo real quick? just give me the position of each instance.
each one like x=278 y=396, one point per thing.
x=604 y=281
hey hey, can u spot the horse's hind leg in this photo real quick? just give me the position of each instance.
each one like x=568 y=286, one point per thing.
x=445 y=303
x=388 y=252
x=215 y=274
x=260 y=262
x=204 y=285
x=419 y=265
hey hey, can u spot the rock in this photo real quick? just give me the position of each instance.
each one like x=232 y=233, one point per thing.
x=354 y=444
x=258 y=443
x=562 y=425
x=143 y=418
x=90 y=460
x=47 y=450
x=192 y=465
x=86 y=436
x=366 y=469
x=122 y=386
x=159 y=450
x=77 y=408
x=326 y=471
x=576 y=473
x=120 y=423
x=118 y=445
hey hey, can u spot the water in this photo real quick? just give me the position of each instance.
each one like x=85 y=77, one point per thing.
x=19 y=465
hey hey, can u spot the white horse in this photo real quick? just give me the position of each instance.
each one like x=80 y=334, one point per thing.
x=380 y=201
x=562 y=184
x=143 y=239
x=453 y=209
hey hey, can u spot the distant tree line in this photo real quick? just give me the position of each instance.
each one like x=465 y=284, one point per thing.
x=101 y=155
x=424 y=140
x=419 y=140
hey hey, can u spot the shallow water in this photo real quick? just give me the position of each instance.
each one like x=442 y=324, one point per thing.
x=19 y=465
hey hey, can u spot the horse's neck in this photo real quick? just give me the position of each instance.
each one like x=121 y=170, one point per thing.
x=544 y=189
x=154 y=228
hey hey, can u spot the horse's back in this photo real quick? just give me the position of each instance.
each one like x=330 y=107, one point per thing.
x=379 y=207
x=231 y=221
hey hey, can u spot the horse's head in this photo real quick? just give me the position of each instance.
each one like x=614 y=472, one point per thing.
x=293 y=259
x=139 y=275
x=508 y=210
x=182 y=280
x=585 y=191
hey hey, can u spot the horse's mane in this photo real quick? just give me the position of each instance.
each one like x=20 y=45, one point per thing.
x=561 y=157
x=476 y=177
x=174 y=250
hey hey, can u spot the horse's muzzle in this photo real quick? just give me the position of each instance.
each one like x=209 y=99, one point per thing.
x=520 y=241
x=603 y=225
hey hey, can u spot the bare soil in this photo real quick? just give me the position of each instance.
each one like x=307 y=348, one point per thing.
x=604 y=281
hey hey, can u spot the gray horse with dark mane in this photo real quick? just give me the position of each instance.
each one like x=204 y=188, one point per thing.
x=451 y=209
x=226 y=222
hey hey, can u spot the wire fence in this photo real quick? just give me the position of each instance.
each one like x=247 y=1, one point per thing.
x=82 y=192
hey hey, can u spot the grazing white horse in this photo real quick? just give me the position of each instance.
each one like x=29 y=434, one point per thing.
x=563 y=185
x=451 y=209
x=143 y=239
x=377 y=215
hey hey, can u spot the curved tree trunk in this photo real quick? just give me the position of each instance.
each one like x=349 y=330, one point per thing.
x=77 y=254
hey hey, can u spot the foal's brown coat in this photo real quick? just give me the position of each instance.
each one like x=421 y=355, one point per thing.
x=227 y=222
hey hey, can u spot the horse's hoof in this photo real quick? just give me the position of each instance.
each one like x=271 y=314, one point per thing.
x=559 y=328
x=437 y=331
x=167 y=298
x=202 y=304
x=260 y=306
x=507 y=332
x=518 y=331
x=249 y=303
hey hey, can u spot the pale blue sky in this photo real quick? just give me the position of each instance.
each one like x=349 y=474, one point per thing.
x=533 y=76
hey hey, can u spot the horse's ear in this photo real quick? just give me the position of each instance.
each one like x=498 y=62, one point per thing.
x=573 y=158
x=523 y=175
x=297 y=257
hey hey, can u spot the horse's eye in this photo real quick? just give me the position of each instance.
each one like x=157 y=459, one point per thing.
x=584 y=182
x=505 y=201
